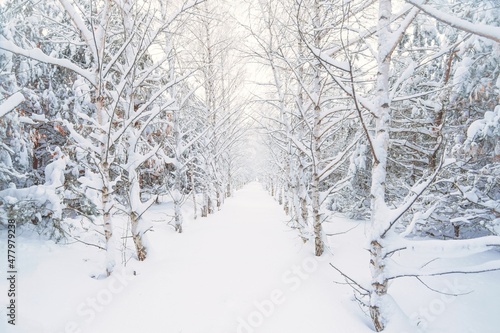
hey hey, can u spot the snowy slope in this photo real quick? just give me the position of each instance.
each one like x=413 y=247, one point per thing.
x=241 y=270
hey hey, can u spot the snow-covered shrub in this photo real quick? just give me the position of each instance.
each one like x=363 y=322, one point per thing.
x=37 y=205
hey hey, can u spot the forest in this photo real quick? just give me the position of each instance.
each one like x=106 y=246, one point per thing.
x=131 y=126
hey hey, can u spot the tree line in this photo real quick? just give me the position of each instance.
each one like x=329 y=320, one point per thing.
x=386 y=111
x=110 y=106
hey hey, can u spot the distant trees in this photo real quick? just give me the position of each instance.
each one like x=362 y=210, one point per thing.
x=311 y=113
x=218 y=71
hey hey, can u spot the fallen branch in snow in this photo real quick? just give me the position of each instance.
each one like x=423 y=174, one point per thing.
x=427 y=263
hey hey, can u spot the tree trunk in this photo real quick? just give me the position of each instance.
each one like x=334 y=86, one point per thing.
x=379 y=167
x=178 y=217
x=318 y=228
x=107 y=220
x=106 y=200
x=193 y=189
x=210 y=205
x=219 y=197
x=315 y=199
x=204 y=208
x=141 y=250
x=286 y=196
x=316 y=138
x=379 y=285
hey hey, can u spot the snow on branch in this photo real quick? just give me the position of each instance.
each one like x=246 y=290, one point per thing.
x=444 y=248
x=397 y=35
x=471 y=196
x=342 y=65
x=332 y=166
x=80 y=25
x=300 y=145
x=41 y=195
x=11 y=103
x=483 y=30
x=82 y=142
x=38 y=55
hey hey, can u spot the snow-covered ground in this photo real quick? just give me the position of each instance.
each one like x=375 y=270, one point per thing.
x=241 y=270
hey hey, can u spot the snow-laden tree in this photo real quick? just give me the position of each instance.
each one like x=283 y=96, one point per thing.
x=399 y=89
x=471 y=106
x=416 y=137
x=126 y=91
x=33 y=130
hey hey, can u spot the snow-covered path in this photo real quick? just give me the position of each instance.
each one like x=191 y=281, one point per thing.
x=240 y=270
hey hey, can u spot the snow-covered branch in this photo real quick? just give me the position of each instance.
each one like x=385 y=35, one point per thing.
x=483 y=30
x=444 y=248
x=38 y=55
x=395 y=270
x=11 y=103
x=80 y=25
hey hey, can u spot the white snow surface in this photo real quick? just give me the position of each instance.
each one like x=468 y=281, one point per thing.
x=241 y=270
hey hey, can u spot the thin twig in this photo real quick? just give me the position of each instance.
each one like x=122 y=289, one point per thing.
x=348 y=278
x=440 y=292
x=344 y=232
x=80 y=241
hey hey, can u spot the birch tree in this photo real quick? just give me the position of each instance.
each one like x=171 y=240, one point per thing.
x=119 y=74
x=384 y=220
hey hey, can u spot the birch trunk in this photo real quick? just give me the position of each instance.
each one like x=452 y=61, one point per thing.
x=379 y=167
x=178 y=218
x=316 y=153
x=107 y=206
x=102 y=120
x=204 y=208
x=140 y=248
x=315 y=199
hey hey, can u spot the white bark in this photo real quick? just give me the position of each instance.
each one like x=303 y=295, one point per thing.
x=379 y=168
